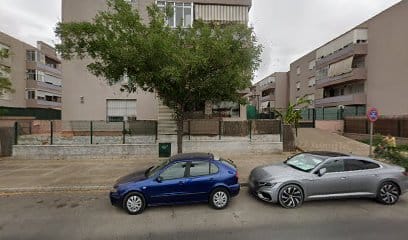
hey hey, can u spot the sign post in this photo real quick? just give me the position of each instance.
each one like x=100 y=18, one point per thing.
x=372 y=115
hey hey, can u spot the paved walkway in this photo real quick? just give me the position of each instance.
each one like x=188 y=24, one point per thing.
x=71 y=175
x=311 y=139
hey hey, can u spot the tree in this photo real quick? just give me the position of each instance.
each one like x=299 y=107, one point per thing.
x=183 y=66
x=292 y=115
x=5 y=83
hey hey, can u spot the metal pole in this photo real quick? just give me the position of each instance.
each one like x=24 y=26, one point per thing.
x=250 y=130
x=91 y=126
x=123 y=133
x=189 y=129
x=52 y=133
x=371 y=139
x=157 y=130
x=16 y=133
x=219 y=130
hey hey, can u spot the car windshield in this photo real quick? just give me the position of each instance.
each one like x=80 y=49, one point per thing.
x=153 y=170
x=304 y=162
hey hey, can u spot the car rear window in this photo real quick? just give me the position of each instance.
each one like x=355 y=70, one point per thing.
x=228 y=162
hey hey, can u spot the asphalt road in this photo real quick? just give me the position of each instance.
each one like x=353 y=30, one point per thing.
x=89 y=215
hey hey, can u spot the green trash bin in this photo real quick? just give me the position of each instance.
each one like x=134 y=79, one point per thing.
x=164 y=150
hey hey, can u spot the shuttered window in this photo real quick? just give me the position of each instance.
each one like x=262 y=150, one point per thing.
x=120 y=109
x=339 y=68
x=221 y=13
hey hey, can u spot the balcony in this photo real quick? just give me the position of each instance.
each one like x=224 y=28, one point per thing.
x=353 y=99
x=355 y=75
x=271 y=85
x=42 y=67
x=32 y=84
x=268 y=98
x=37 y=103
x=352 y=49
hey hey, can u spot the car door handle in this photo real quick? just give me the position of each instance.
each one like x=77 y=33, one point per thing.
x=343 y=178
x=181 y=182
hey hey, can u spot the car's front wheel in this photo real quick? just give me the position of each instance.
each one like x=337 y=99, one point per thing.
x=219 y=198
x=134 y=203
x=388 y=193
x=291 y=196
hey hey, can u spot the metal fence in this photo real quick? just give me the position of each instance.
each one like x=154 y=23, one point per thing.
x=397 y=127
x=332 y=113
x=56 y=132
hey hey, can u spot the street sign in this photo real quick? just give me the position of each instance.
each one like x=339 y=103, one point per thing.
x=372 y=114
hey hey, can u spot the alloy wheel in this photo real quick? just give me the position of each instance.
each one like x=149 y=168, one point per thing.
x=134 y=203
x=291 y=196
x=389 y=193
x=220 y=199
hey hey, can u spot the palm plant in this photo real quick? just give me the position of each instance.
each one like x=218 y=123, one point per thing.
x=293 y=115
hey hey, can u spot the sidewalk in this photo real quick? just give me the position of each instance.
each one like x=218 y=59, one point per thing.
x=85 y=175
x=312 y=139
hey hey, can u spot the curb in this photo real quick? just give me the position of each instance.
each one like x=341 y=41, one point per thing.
x=64 y=189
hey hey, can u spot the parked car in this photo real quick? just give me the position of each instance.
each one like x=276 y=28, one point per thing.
x=325 y=175
x=184 y=178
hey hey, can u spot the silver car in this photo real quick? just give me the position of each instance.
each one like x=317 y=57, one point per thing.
x=327 y=175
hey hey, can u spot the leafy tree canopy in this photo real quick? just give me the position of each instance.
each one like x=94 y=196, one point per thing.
x=5 y=83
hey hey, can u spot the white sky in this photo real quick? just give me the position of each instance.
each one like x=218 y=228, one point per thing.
x=287 y=29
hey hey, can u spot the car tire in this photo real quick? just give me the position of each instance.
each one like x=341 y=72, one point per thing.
x=388 y=193
x=291 y=196
x=219 y=198
x=134 y=203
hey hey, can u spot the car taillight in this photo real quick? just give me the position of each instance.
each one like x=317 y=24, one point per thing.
x=236 y=174
x=405 y=173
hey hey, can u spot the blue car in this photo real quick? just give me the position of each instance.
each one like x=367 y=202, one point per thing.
x=182 y=179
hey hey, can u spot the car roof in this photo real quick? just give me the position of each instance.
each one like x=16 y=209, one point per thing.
x=327 y=154
x=192 y=156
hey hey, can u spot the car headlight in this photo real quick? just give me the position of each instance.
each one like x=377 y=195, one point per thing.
x=266 y=184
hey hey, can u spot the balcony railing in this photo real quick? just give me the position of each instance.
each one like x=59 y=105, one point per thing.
x=356 y=74
x=33 y=84
x=268 y=98
x=37 y=103
x=271 y=85
x=352 y=99
x=352 y=49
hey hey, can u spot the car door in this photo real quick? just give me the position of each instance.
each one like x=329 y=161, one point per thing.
x=200 y=181
x=169 y=185
x=334 y=181
x=363 y=176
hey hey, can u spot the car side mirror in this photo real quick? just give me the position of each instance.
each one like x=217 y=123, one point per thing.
x=159 y=179
x=321 y=172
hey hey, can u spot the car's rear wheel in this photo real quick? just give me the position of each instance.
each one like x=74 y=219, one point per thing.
x=134 y=203
x=388 y=193
x=219 y=198
x=291 y=196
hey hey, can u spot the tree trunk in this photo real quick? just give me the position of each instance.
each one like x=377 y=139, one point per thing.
x=180 y=131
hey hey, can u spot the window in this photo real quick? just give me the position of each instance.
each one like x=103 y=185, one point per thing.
x=31 y=74
x=298 y=70
x=200 y=168
x=5 y=49
x=175 y=171
x=213 y=169
x=298 y=86
x=182 y=13
x=5 y=71
x=30 y=94
x=31 y=55
x=312 y=65
x=354 y=165
x=334 y=166
x=120 y=109
x=312 y=82
x=304 y=162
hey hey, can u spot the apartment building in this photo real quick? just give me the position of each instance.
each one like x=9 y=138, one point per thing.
x=89 y=98
x=35 y=74
x=362 y=68
x=271 y=92
x=365 y=67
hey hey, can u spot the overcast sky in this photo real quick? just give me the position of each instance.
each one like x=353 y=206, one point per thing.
x=287 y=29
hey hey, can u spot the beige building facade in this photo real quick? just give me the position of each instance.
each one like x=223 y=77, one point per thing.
x=87 y=97
x=35 y=74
